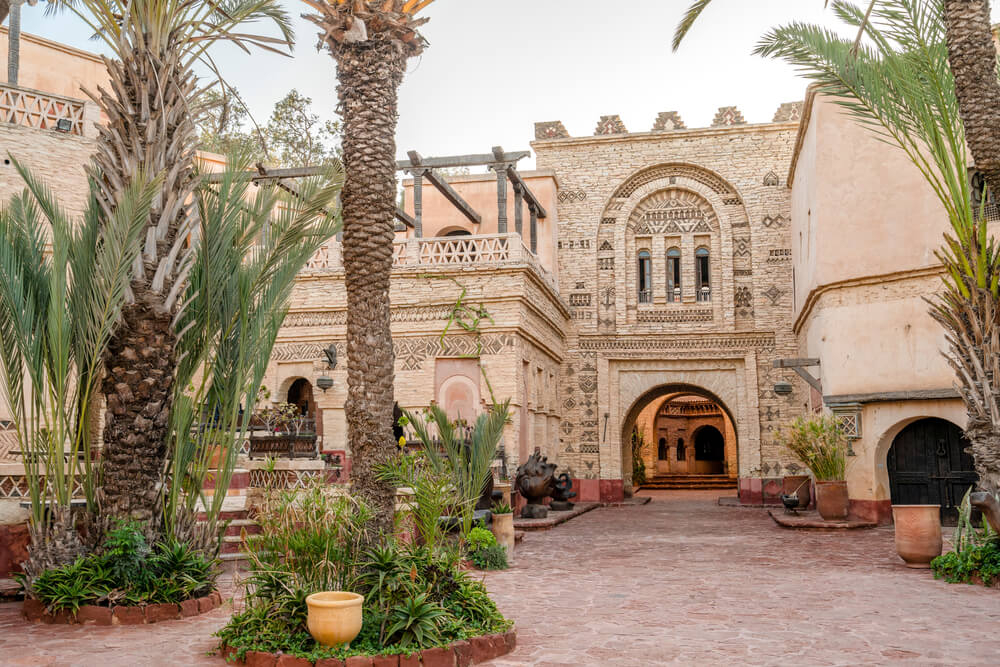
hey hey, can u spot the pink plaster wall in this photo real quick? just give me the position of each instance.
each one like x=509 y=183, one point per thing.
x=54 y=68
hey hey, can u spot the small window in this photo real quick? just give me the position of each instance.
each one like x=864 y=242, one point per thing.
x=674 y=274
x=981 y=194
x=681 y=454
x=702 y=274
x=645 y=277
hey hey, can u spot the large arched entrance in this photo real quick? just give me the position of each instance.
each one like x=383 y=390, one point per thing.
x=928 y=465
x=686 y=438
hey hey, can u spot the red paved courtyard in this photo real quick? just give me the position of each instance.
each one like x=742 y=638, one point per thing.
x=678 y=581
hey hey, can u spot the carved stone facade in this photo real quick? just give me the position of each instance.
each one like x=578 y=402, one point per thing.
x=713 y=327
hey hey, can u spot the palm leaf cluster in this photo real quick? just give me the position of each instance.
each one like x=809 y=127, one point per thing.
x=899 y=85
x=353 y=21
x=62 y=287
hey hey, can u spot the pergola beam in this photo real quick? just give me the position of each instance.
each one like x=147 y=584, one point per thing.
x=529 y=196
x=477 y=160
x=420 y=169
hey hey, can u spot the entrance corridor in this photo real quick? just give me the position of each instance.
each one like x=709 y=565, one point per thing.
x=683 y=581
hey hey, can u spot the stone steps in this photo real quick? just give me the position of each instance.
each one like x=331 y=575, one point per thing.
x=684 y=481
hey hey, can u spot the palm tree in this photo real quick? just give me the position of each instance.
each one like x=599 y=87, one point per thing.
x=972 y=56
x=902 y=88
x=151 y=104
x=370 y=40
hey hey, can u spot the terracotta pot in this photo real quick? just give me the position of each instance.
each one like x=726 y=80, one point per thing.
x=798 y=484
x=334 y=617
x=831 y=500
x=918 y=533
x=503 y=530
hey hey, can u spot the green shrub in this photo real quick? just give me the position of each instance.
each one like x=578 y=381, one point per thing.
x=638 y=465
x=820 y=444
x=479 y=538
x=492 y=557
x=126 y=571
x=982 y=561
x=415 y=594
x=502 y=508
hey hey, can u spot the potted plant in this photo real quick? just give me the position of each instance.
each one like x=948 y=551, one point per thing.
x=503 y=527
x=820 y=444
x=918 y=534
x=334 y=617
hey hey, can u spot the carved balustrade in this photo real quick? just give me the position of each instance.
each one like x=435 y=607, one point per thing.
x=44 y=111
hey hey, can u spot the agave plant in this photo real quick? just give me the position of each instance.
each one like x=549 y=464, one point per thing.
x=901 y=87
x=151 y=104
x=62 y=287
x=371 y=41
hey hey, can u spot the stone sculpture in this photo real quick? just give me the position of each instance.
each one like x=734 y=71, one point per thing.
x=534 y=481
x=561 y=493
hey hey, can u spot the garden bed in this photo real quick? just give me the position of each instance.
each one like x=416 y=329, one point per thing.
x=90 y=614
x=457 y=654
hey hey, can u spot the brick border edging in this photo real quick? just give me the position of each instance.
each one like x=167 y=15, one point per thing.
x=457 y=654
x=91 y=614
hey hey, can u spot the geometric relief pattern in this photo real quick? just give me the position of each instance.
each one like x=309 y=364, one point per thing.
x=741 y=247
x=666 y=171
x=774 y=221
x=412 y=352
x=774 y=294
x=728 y=116
x=571 y=196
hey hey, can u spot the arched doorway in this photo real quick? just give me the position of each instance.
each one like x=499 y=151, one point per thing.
x=928 y=465
x=689 y=436
x=300 y=394
x=709 y=450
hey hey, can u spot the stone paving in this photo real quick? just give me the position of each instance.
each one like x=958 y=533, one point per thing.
x=678 y=581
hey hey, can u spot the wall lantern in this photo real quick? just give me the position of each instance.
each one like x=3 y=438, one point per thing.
x=64 y=125
x=782 y=388
x=324 y=382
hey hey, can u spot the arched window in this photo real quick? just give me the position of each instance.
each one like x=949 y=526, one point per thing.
x=645 y=277
x=701 y=270
x=680 y=449
x=674 y=274
x=980 y=193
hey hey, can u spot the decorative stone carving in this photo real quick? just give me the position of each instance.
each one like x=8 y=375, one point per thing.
x=610 y=125
x=553 y=129
x=787 y=112
x=668 y=120
x=728 y=116
x=771 y=179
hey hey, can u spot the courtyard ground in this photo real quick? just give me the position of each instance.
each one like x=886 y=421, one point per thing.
x=678 y=581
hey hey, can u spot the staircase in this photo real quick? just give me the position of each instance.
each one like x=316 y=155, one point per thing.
x=685 y=481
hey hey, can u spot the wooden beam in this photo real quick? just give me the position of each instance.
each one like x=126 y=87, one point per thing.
x=796 y=362
x=476 y=160
x=438 y=181
x=885 y=396
x=516 y=180
x=294 y=172
x=810 y=380
x=405 y=218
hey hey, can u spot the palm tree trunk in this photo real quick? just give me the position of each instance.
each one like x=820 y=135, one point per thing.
x=972 y=56
x=13 y=37
x=369 y=74
x=149 y=127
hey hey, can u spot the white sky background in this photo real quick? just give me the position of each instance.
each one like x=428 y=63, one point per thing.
x=494 y=68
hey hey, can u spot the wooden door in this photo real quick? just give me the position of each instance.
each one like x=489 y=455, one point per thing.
x=928 y=465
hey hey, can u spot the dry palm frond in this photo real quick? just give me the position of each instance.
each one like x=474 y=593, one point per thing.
x=352 y=21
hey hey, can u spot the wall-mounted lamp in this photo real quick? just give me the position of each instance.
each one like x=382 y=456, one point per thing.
x=324 y=382
x=782 y=388
x=64 y=125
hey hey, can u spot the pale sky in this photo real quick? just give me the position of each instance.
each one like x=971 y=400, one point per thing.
x=494 y=68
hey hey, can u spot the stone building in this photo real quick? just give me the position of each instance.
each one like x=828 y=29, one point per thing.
x=698 y=286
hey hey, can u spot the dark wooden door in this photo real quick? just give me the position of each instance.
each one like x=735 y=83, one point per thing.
x=928 y=465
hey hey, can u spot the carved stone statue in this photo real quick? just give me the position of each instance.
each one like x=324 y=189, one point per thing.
x=534 y=481
x=561 y=493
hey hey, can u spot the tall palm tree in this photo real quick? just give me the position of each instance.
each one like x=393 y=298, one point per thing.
x=151 y=104
x=902 y=88
x=370 y=40
x=972 y=56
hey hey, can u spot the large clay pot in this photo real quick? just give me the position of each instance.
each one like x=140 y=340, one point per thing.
x=334 y=617
x=503 y=530
x=831 y=500
x=918 y=533
x=800 y=485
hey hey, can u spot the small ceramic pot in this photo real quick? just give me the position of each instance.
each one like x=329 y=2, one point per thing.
x=918 y=533
x=800 y=486
x=334 y=617
x=503 y=530
x=831 y=500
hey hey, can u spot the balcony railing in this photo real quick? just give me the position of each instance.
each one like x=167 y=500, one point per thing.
x=485 y=251
x=705 y=294
x=42 y=111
